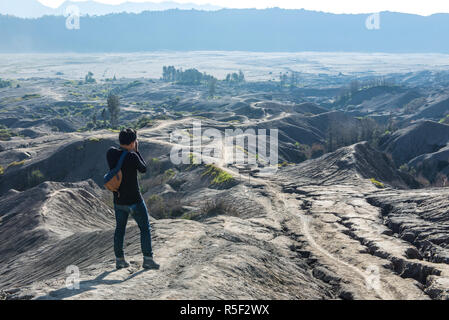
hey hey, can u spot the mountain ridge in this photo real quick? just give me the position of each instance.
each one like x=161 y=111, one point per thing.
x=35 y=9
x=268 y=30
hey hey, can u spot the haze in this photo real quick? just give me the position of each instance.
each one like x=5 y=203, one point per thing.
x=344 y=6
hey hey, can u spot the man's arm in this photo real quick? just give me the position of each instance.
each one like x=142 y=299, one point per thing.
x=140 y=163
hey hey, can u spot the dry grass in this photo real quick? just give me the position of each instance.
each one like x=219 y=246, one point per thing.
x=217 y=207
x=161 y=208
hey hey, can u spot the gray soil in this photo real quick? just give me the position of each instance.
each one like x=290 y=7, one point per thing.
x=342 y=218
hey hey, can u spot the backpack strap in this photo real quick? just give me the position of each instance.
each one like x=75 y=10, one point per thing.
x=108 y=176
x=120 y=161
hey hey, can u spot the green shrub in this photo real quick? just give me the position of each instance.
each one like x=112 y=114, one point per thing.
x=6 y=133
x=36 y=177
x=219 y=176
x=5 y=83
x=143 y=122
x=170 y=173
x=31 y=96
x=283 y=164
x=16 y=163
x=445 y=120
x=407 y=169
x=133 y=84
x=191 y=215
x=378 y=184
x=155 y=166
x=212 y=208
x=162 y=209
x=192 y=159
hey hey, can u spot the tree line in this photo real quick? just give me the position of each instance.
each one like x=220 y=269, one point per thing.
x=357 y=85
x=291 y=79
x=189 y=77
x=194 y=77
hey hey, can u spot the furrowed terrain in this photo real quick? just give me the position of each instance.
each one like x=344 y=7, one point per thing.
x=357 y=209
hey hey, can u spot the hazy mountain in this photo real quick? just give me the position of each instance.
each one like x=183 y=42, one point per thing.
x=24 y=8
x=227 y=29
x=34 y=9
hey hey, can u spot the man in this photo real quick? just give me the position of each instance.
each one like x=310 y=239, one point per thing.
x=128 y=199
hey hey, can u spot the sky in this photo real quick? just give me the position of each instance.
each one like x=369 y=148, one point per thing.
x=420 y=7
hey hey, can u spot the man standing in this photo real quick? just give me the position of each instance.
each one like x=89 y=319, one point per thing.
x=128 y=199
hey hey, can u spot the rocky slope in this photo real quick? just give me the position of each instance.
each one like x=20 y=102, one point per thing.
x=317 y=230
x=420 y=138
x=348 y=164
x=225 y=257
x=423 y=148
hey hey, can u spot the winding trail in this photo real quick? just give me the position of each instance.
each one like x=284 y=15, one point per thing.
x=292 y=206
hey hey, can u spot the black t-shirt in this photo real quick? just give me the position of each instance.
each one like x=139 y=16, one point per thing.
x=129 y=192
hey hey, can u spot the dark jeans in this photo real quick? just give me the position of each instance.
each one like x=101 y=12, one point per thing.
x=140 y=213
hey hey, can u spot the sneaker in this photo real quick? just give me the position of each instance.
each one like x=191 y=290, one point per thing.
x=149 y=263
x=121 y=263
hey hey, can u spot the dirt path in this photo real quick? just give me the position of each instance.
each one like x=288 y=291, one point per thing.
x=335 y=250
x=347 y=235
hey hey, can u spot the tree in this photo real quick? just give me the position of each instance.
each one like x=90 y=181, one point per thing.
x=331 y=136
x=114 y=109
x=241 y=76
x=187 y=77
x=391 y=123
x=368 y=128
x=283 y=77
x=212 y=85
x=235 y=77
x=5 y=83
x=89 y=78
x=191 y=77
x=164 y=73
x=294 y=79
x=354 y=86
